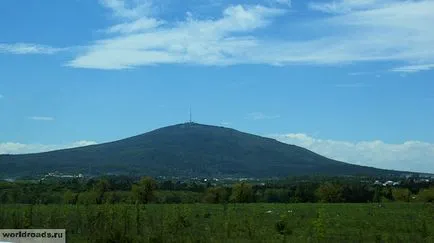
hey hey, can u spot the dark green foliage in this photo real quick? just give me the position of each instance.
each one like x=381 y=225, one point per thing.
x=88 y=198
x=357 y=192
x=377 y=195
x=242 y=193
x=401 y=194
x=304 y=192
x=144 y=191
x=426 y=195
x=387 y=194
x=147 y=190
x=185 y=150
x=177 y=197
x=100 y=188
x=97 y=211
x=330 y=193
x=216 y=195
x=69 y=197
x=273 y=195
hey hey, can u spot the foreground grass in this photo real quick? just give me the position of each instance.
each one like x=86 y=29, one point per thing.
x=392 y=222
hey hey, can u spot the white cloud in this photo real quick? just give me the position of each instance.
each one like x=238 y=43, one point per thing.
x=83 y=143
x=367 y=31
x=138 y=25
x=410 y=156
x=346 y=6
x=363 y=31
x=41 y=118
x=262 y=116
x=20 y=148
x=208 y=42
x=413 y=68
x=128 y=9
x=26 y=48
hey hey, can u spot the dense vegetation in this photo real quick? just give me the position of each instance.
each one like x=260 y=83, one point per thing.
x=230 y=223
x=130 y=190
x=129 y=209
x=186 y=150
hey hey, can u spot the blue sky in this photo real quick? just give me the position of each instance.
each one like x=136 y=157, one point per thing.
x=349 y=79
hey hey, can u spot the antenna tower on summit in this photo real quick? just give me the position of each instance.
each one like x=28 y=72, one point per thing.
x=191 y=117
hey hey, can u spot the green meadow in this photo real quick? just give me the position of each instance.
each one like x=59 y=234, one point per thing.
x=374 y=222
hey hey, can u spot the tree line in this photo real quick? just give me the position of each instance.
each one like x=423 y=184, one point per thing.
x=127 y=190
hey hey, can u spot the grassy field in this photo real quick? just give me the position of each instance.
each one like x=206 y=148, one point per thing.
x=392 y=222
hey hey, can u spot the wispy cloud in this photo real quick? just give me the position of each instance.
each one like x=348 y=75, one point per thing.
x=209 y=42
x=346 y=6
x=261 y=116
x=411 y=155
x=20 y=148
x=138 y=25
x=83 y=143
x=41 y=118
x=355 y=31
x=130 y=10
x=413 y=68
x=364 y=73
x=26 y=48
x=364 y=30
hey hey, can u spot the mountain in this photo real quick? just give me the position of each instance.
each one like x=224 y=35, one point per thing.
x=185 y=150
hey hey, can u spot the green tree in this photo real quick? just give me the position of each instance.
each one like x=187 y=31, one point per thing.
x=377 y=195
x=69 y=197
x=242 y=193
x=87 y=198
x=357 y=193
x=304 y=192
x=426 y=195
x=111 y=198
x=387 y=195
x=330 y=193
x=144 y=191
x=401 y=194
x=277 y=195
x=216 y=195
x=101 y=187
x=167 y=185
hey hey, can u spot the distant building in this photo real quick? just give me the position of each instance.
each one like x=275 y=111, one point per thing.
x=378 y=183
x=388 y=183
x=60 y=175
